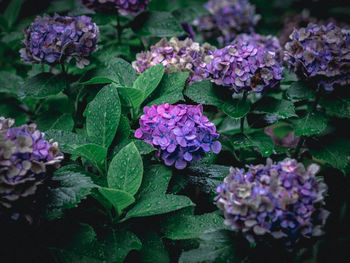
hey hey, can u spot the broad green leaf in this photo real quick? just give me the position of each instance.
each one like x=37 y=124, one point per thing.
x=11 y=111
x=236 y=108
x=336 y=153
x=126 y=169
x=257 y=139
x=103 y=116
x=339 y=107
x=55 y=121
x=216 y=247
x=43 y=85
x=281 y=108
x=118 y=198
x=133 y=96
x=157 y=24
x=96 y=154
x=288 y=77
x=190 y=13
x=312 y=123
x=158 y=204
x=300 y=91
x=97 y=80
x=179 y=226
x=9 y=82
x=124 y=128
x=149 y=80
x=67 y=141
x=12 y=12
x=153 y=249
x=203 y=92
x=170 y=88
x=143 y=147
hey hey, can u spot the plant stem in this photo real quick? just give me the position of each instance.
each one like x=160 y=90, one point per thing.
x=245 y=94
x=297 y=149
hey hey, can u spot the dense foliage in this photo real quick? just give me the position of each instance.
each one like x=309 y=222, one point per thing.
x=174 y=131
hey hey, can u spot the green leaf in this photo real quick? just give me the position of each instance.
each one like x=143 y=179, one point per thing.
x=338 y=107
x=11 y=111
x=126 y=169
x=299 y=91
x=103 y=116
x=74 y=186
x=43 y=85
x=143 y=147
x=281 y=108
x=12 y=12
x=9 y=82
x=124 y=128
x=153 y=249
x=190 y=13
x=236 y=108
x=134 y=96
x=96 y=154
x=55 y=121
x=257 y=139
x=67 y=141
x=216 y=247
x=158 y=204
x=203 y=92
x=181 y=226
x=336 y=153
x=157 y=24
x=149 y=80
x=119 y=199
x=97 y=80
x=312 y=123
x=170 y=88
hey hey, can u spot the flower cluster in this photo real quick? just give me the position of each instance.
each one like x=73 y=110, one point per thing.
x=245 y=66
x=26 y=160
x=321 y=54
x=58 y=39
x=176 y=55
x=227 y=18
x=181 y=133
x=282 y=200
x=122 y=6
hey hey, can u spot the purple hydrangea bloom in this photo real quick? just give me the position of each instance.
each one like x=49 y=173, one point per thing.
x=284 y=201
x=27 y=159
x=181 y=133
x=176 y=55
x=245 y=66
x=227 y=18
x=58 y=39
x=321 y=54
x=122 y=6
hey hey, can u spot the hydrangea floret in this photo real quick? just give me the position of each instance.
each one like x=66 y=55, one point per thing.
x=124 y=7
x=27 y=159
x=57 y=39
x=181 y=133
x=284 y=201
x=320 y=54
x=245 y=66
x=176 y=56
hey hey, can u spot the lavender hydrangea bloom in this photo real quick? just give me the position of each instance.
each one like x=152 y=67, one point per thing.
x=227 y=18
x=245 y=66
x=181 y=133
x=282 y=200
x=176 y=55
x=320 y=54
x=122 y=6
x=26 y=160
x=58 y=39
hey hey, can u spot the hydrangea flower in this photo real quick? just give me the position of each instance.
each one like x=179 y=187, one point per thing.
x=58 y=39
x=27 y=159
x=321 y=54
x=122 y=6
x=284 y=201
x=227 y=18
x=176 y=55
x=245 y=66
x=181 y=133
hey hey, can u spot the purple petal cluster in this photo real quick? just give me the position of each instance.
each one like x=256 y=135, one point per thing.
x=284 y=201
x=321 y=54
x=176 y=55
x=57 y=39
x=227 y=18
x=122 y=6
x=181 y=133
x=245 y=66
x=26 y=160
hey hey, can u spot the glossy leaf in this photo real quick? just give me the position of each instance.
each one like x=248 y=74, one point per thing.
x=312 y=123
x=96 y=154
x=236 y=108
x=299 y=91
x=118 y=198
x=257 y=139
x=203 y=92
x=281 y=108
x=67 y=141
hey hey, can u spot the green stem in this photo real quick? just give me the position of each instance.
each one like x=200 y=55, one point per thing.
x=297 y=149
x=245 y=94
